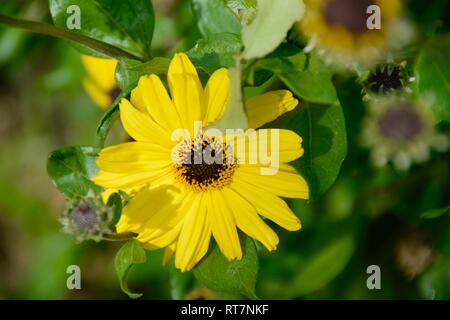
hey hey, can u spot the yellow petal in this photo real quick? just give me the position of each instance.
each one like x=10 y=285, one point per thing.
x=146 y=205
x=259 y=147
x=126 y=181
x=141 y=127
x=223 y=225
x=134 y=157
x=216 y=95
x=267 y=204
x=168 y=253
x=286 y=183
x=194 y=238
x=158 y=103
x=163 y=236
x=164 y=227
x=269 y=106
x=290 y=145
x=137 y=100
x=186 y=90
x=248 y=220
x=101 y=71
x=99 y=97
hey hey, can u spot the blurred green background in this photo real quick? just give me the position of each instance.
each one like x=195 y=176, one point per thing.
x=370 y=216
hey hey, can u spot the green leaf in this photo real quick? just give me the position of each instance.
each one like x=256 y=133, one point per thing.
x=129 y=71
x=237 y=276
x=273 y=20
x=432 y=71
x=180 y=283
x=215 y=17
x=434 y=284
x=115 y=201
x=126 y=77
x=435 y=213
x=234 y=117
x=305 y=74
x=324 y=140
x=130 y=254
x=49 y=30
x=215 y=52
x=127 y=24
x=71 y=169
x=157 y=65
x=107 y=121
x=324 y=266
x=244 y=9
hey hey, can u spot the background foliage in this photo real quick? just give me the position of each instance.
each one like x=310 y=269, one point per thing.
x=358 y=215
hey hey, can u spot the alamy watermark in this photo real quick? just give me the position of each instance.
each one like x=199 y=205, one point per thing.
x=374 y=20
x=73 y=22
x=74 y=279
x=374 y=280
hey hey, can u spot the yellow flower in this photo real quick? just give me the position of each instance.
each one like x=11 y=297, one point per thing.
x=178 y=205
x=339 y=28
x=100 y=82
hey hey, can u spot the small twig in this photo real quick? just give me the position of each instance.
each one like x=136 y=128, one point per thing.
x=119 y=236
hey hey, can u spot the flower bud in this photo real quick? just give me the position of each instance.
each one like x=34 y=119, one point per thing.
x=386 y=79
x=87 y=218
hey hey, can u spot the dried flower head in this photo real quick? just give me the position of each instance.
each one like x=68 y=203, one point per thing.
x=401 y=130
x=87 y=218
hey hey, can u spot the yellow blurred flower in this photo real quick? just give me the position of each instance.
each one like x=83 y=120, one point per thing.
x=338 y=28
x=180 y=205
x=100 y=83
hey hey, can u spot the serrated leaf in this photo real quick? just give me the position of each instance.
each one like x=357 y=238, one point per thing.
x=215 y=17
x=237 y=276
x=323 y=267
x=215 y=52
x=273 y=20
x=127 y=24
x=433 y=76
x=71 y=169
x=130 y=254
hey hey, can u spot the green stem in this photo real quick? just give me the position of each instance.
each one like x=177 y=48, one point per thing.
x=49 y=30
x=106 y=123
x=119 y=236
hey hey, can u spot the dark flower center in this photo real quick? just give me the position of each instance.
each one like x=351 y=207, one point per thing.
x=385 y=78
x=400 y=122
x=84 y=216
x=204 y=163
x=350 y=14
